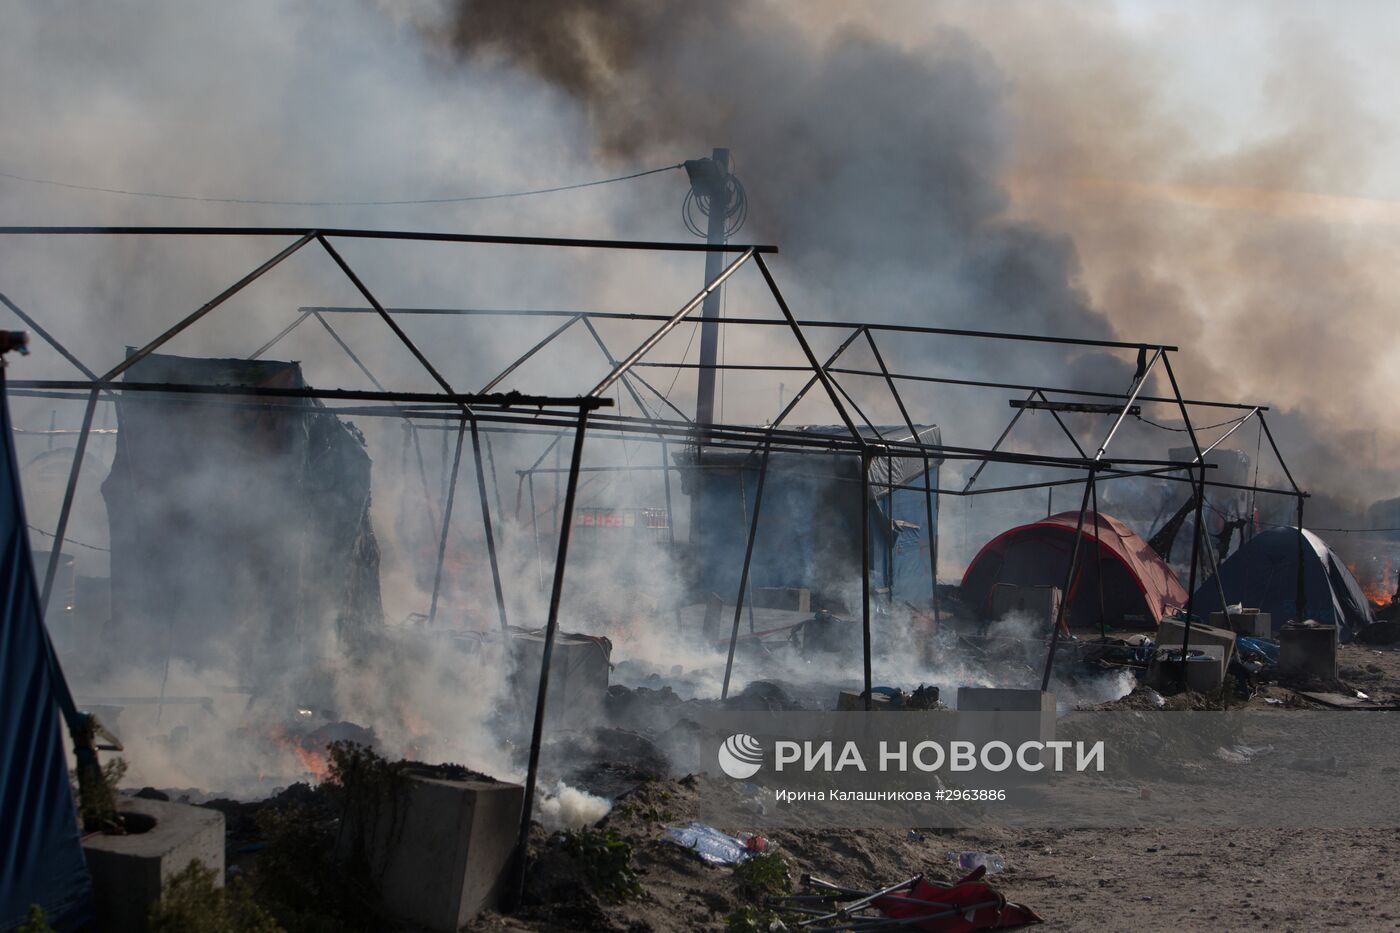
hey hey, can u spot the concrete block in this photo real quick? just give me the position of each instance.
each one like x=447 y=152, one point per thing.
x=1021 y=715
x=578 y=677
x=1171 y=632
x=1205 y=668
x=1041 y=603
x=443 y=850
x=1308 y=650
x=1250 y=623
x=791 y=598
x=851 y=701
x=130 y=872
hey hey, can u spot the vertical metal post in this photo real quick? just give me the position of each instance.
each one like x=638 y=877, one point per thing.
x=865 y=573
x=486 y=524
x=748 y=560
x=1069 y=582
x=551 y=630
x=747 y=590
x=446 y=522
x=1302 y=596
x=69 y=493
x=1098 y=561
x=1195 y=557
x=714 y=262
x=535 y=531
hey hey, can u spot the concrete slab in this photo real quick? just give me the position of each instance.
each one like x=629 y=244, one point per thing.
x=130 y=872
x=1039 y=602
x=578 y=677
x=1171 y=632
x=1308 y=650
x=1021 y=715
x=1249 y=622
x=442 y=853
x=1205 y=668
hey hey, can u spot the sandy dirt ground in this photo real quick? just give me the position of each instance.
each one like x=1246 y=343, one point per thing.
x=1082 y=879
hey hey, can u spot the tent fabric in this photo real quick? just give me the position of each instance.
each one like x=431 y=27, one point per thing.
x=1263 y=575
x=41 y=858
x=1138 y=586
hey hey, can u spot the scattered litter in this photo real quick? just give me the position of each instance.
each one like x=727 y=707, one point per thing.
x=916 y=836
x=710 y=844
x=916 y=904
x=1155 y=698
x=1273 y=701
x=753 y=842
x=1240 y=754
x=969 y=861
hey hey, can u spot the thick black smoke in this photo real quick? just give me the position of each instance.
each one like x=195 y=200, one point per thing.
x=877 y=169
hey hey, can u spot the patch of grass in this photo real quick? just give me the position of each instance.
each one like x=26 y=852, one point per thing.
x=751 y=919
x=605 y=860
x=765 y=875
x=97 y=795
x=192 y=903
x=35 y=921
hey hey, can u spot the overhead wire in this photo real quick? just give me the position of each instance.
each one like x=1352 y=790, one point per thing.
x=458 y=199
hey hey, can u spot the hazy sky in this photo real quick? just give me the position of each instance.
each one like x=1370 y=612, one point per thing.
x=1222 y=175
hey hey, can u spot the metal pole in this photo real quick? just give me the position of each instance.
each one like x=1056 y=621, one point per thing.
x=69 y=493
x=744 y=511
x=744 y=574
x=446 y=522
x=551 y=629
x=535 y=531
x=1195 y=556
x=1098 y=559
x=1069 y=582
x=865 y=573
x=1302 y=595
x=709 y=333
x=486 y=524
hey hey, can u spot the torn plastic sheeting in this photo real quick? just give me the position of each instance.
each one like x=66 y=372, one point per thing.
x=710 y=844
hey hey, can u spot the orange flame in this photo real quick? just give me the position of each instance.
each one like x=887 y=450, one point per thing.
x=313 y=761
x=1378 y=585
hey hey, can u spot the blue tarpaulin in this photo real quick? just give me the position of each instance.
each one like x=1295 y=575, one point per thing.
x=41 y=860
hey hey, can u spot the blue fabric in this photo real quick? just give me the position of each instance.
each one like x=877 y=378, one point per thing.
x=1268 y=650
x=1263 y=574
x=41 y=859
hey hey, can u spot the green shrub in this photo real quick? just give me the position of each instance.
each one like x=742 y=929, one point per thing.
x=35 y=921
x=762 y=876
x=192 y=903
x=605 y=860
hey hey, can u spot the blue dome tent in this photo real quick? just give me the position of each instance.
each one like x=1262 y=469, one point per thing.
x=1263 y=574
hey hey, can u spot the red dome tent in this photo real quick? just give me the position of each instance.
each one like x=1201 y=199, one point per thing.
x=1138 y=586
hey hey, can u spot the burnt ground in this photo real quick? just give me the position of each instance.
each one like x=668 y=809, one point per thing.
x=1155 y=878
x=1109 y=879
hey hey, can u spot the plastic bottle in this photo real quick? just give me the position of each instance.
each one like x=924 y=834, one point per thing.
x=970 y=861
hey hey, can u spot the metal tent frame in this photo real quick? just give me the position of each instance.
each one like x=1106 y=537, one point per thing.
x=557 y=416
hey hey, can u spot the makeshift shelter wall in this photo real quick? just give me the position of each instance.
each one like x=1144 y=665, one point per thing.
x=235 y=530
x=41 y=860
x=809 y=523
